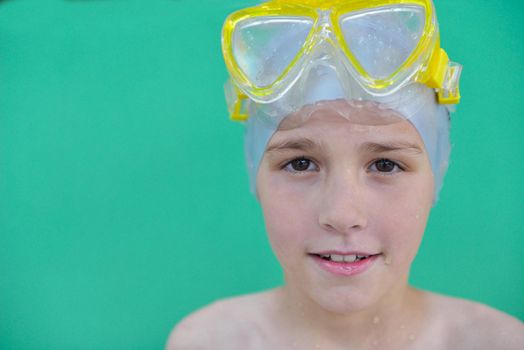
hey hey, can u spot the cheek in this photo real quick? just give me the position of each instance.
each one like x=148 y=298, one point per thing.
x=402 y=222
x=287 y=221
x=283 y=222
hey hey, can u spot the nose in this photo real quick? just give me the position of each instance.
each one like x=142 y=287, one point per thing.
x=343 y=206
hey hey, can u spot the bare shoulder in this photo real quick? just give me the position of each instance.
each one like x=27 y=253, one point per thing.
x=236 y=322
x=471 y=325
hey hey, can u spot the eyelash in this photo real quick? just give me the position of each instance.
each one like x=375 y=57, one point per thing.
x=288 y=166
x=396 y=167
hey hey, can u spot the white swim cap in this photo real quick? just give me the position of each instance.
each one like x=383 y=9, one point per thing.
x=284 y=55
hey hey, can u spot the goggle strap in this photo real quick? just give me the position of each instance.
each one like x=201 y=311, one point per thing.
x=437 y=67
x=239 y=113
x=449 y=94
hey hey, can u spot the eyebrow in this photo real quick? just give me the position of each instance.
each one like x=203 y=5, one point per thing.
x=374 y=147
x=301 y=144
x=305 y=144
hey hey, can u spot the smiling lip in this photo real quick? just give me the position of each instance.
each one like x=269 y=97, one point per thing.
x=345 y=268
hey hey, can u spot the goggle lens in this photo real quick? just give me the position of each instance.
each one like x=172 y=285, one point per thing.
x=264 y=47
x=383 y=39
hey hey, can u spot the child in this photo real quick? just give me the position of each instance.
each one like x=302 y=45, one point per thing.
x=347 y=108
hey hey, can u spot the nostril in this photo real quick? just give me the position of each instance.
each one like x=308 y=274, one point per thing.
x=342 y=219
x=327 y=227
x=341 y=226
x=343 y=207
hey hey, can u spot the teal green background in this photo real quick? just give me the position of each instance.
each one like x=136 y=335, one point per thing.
x=124 y=201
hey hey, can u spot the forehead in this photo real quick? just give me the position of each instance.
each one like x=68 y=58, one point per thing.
x=340 y=121
x=358 y=112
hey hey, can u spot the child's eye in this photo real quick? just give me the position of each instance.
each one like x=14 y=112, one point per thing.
x=300 y=165
x=385 y=166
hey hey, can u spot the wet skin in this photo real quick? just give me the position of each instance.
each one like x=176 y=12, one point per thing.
x=339 y=180
x=344 y=183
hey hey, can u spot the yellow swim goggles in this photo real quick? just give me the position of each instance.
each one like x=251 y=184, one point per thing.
x=385 y=45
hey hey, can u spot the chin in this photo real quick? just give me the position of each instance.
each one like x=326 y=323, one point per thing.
x=343 y=299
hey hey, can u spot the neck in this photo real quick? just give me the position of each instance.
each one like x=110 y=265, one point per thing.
x=392 y=316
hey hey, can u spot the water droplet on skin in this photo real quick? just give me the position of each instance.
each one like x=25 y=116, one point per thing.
x=402 y=326
x=387 y=261
x=411 y=337
x=376 y=320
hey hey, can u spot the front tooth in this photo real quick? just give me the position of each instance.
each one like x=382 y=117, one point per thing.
x=337 y=258
x=350 y=258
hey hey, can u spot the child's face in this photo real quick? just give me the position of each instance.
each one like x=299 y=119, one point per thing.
x=339 y=187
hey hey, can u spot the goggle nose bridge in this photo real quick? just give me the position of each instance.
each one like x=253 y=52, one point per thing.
x=323 y=33
x=324 y=48
x=324 y=28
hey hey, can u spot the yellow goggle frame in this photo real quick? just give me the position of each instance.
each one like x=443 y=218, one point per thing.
x=432 y=74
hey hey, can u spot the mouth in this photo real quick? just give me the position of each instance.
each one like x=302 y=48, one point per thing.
x=346 y=264
x=344 y=258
